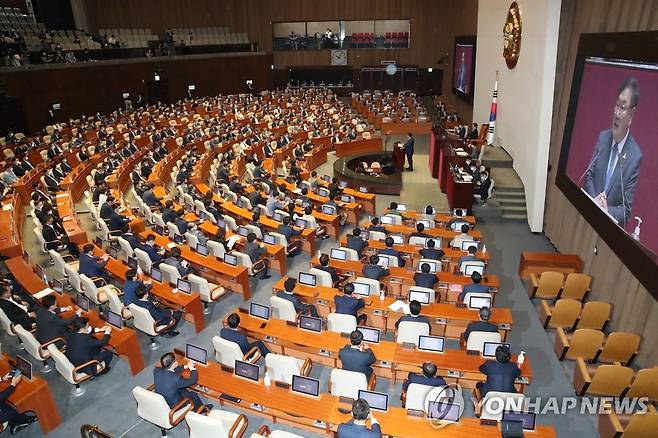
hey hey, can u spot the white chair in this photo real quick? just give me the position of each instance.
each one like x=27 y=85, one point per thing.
x=126 y=249
x=416 y=395
x=227 y=352
x=191 y=239
x=351 y=253
x=173 y=230
x=98 y=295
x=281 y=368
x=431 y=292
x=216 y=249
x=144 y=322
x=376 y=235
x=439 y=393
x=283 y=309
x=283 y=241
x=170 y=274
x=462 y=266
x=74 y=279
x=392 y=260
x=323 y=276
x=254 y=229
x=484 y=410
x=339 y=323
x=116 y=305
x=143 y=260
x=265 y=432
x=71 y=373
x=245 y=260
x=476 y=340
x=34 y=347
x=106 y=234
x=6 y=324
x=153 y=408
x=414 y=240
x=409 y=331
x=61 y=264
x=395 y=219
x=230 y=223
x=343 y=383
x=375 y=286
x=209 y=292
x=217 y=424
x=469 y=295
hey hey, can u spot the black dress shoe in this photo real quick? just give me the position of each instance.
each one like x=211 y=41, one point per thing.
x=265 y=277
x=103 y=371
x=18 y=427
x=172 y=334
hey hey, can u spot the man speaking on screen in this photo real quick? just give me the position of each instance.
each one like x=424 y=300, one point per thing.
x=611 y=177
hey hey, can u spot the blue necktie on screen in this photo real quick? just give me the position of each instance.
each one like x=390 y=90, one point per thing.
x=611 y=166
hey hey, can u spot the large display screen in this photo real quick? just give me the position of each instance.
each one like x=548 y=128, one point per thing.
x=463 y=70
x=609 y=161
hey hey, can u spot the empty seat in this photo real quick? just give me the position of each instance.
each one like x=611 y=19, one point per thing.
x=547 y=286
x=216 y=424
x=604 y=380
x=576 y=286
x=584 y=343
x=153 y=408
x=619 y=347
x=564 y=314
x=281 y=368
x=595 y=315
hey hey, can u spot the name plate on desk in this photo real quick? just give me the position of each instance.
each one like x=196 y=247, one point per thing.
x=460 y=305
x=324 y=352
x=344 y=335
x=344 y=399
x=291 y=323
x=283 y=385
x=488 y=423
x=226 y=368
x=408 y=345
x=415 y=413
x=473 y=352
x=243 y=310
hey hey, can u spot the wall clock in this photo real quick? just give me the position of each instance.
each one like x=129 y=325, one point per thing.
x=339 y=57
x=512 y=36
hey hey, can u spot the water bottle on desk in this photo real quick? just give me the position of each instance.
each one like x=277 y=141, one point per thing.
x=520 y=359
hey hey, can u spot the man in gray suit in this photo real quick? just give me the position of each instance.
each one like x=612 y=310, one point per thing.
x=611 y=177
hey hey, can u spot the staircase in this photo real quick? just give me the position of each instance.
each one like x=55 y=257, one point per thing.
x=509 y=194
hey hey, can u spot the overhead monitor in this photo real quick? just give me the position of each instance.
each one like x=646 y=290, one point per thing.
x=463 y=73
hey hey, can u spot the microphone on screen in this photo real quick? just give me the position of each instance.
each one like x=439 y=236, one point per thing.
x=589 y=166
x=623 y=194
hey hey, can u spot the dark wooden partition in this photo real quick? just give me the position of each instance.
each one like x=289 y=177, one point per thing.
x=91 y=88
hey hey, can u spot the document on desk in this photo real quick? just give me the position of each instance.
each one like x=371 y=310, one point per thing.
x=171 y=245
x=232 y=240
x=455 y=288
x=43 y=293
x=400 y=305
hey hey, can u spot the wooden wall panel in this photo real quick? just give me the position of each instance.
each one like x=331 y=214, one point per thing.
x=91 y=88
x=635 y=309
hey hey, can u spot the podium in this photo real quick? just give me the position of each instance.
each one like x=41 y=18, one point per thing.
x=398 y=156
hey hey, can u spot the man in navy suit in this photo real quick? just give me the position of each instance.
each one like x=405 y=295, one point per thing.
x=288 y=294
x=171 y=385
x=409 y=150
x=168 y=213
x=356 y=242
x=425 y=278
x=324 y=266
x=161 y=316
x=428 y=377
x=375 y=225
x=414 y=314
x=175 y=260
x=118 y=222
x=471 y=257
x=17 y=421
x=349 y=305
x=357 y=426
x=131 y=285
x=611 y=177
x=430 y=252
x=290 y=231
x=373 y=270
x=91 y=265
x=500 y=374
x=393 y=252
x=483 y=325
x=357 y=357
x=232 y=333
x=475 y=287
x=82 y=346
x=149 y=248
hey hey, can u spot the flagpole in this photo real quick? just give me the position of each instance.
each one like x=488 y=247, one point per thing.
x=492 y=115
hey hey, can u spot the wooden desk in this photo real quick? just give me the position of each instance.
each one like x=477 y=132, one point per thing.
x=446 y=320
x=359 y=146
x=72 y=227
x=538 y=262
x=33 y=396
x=11 y=227
x=393 y=361
x=459 y=193
x=366 y=200
x=124 y=342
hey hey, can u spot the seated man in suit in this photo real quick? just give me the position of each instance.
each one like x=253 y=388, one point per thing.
x=392 y=252
x=161 y=316
x=476 y=287
x=356 y=356
x=17 y=421
x=290 y=231
x=375 y=225
x=414 y=314
x=232 y=333
x=257 y=251
x=483 y=325
x=168 y=213
x=171 y=385
x=131 y=285
x=82 y=346
x=472 y=250
x=105 y=212
x=118 y=222
x=356 y=242
x=181 y=223
x=177 y=262
x=420 y=228
x=349 y=305
x=17 y=310
x=357 y=427
x=49 y=325
x=373 y=270
x=289 y=294
x=324 y=266
x=155 y=254
x=93 y=266
x=501 y=374
x=55 y=240
x=149 y=197
x=456 y=242
x=428 y=378
x=425 y=278
x=430 y=252
x=393 y=210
